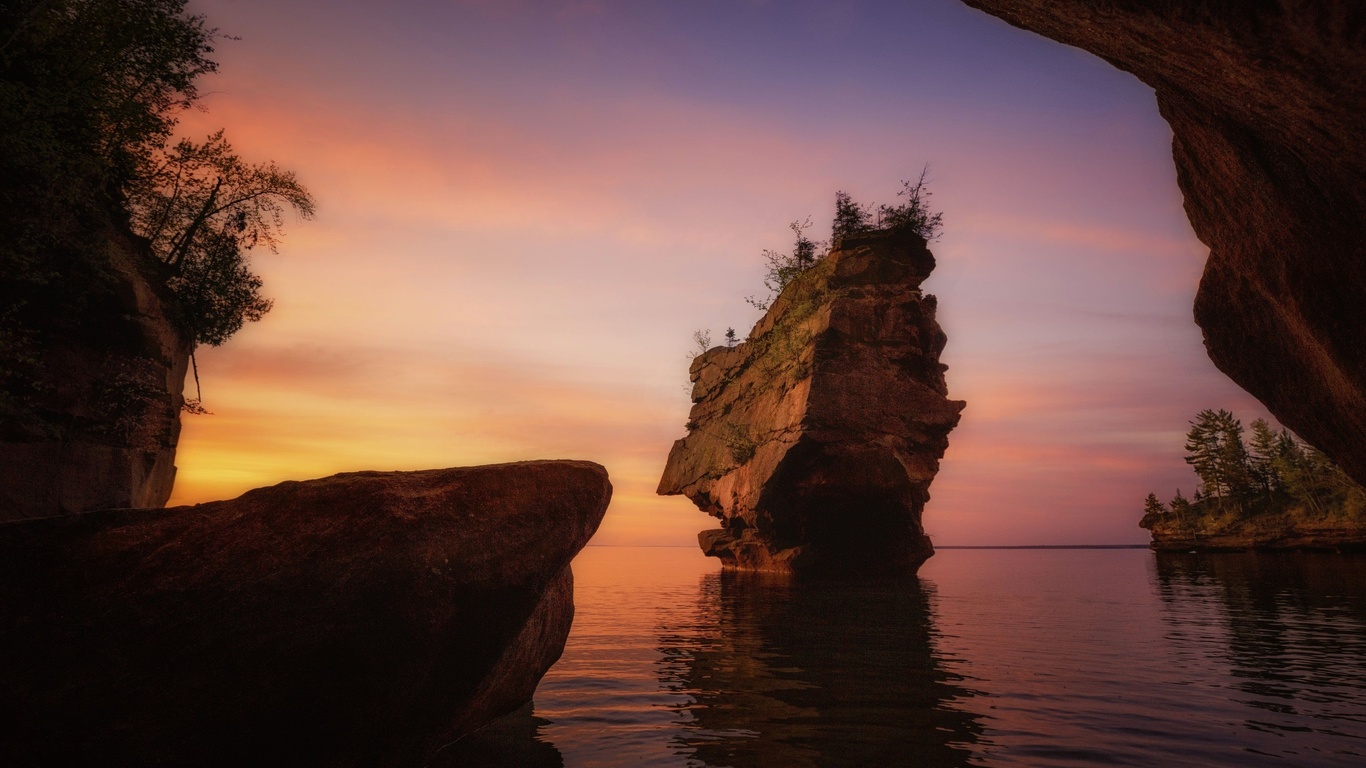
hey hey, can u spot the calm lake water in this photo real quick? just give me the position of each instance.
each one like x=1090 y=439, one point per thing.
x=991 y=657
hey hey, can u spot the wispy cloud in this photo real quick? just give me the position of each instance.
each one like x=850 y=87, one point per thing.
x=523 y=216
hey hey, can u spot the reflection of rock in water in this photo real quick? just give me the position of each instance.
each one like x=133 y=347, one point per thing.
x=828 y=674
x=1290 y=627
x=509 y=740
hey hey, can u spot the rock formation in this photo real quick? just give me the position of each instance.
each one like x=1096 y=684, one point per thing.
x=1265 y=101
x=1301 y=531
x=815 y=440
x=364 y=619
x=90 y=407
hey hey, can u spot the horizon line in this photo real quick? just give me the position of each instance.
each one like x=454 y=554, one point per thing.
x=937 y=547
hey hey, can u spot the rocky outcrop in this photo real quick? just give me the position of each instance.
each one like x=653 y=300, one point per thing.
x=90 y=407
x=1270 y=531
x=364 y=619
x=1265 y=101
x=815 y=440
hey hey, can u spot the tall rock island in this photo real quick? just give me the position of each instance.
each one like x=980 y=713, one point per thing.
x=814 y=441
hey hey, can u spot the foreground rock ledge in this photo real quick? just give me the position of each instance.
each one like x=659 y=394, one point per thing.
x=815 y=441
x=364 y=619
x=1265 y=101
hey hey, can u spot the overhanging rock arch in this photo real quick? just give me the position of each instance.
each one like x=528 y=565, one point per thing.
x=1265 y=99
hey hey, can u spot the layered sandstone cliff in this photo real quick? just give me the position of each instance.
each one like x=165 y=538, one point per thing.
x=1265 y=101
x=90 y=403
x=814 y=442
x=364 y=619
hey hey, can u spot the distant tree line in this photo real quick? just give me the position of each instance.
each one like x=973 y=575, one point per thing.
x=1274 y=471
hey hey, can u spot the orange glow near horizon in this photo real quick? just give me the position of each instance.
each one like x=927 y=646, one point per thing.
x=524 y=214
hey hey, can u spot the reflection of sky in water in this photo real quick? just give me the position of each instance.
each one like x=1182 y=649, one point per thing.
x=777 y=674
x=1033 y=657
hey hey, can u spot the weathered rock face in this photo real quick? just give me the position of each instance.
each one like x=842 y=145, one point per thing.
x=1265 y=101
x=364 y=619
x=92 y=422
x=815 y=441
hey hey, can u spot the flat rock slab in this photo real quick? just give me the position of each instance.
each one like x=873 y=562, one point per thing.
x=364 y=619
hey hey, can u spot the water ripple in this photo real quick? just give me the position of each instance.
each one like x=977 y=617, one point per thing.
x=991 y=658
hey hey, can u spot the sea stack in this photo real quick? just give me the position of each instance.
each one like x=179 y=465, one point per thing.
x=815 y=441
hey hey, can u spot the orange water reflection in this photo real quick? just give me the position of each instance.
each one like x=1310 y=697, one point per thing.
x=992 y=657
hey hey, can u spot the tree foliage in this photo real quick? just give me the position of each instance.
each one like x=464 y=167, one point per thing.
x=1153 y=508
x=913 y=213
x=1154 y=505
x=1216 y=451
x=202 y=208
x=1181 y=506
x=851 y=219
x=783 y=268
x=100 y=82
x=90 y=95
x=1277 y=471
x=701 y=338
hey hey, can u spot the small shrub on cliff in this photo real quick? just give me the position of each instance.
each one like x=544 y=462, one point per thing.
x=701 y=338
x=783 y=268
x=122 y=399
x=913 y=214
x=739 y=442
x=851 y=219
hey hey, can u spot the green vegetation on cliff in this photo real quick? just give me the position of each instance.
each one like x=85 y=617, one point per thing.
x=1274 y=478
x=796 y=277
x=851 y=220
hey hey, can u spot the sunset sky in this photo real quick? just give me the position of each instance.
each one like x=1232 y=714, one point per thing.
x=526 y=209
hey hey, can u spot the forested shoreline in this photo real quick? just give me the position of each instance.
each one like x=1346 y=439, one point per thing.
x=1273 y=476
